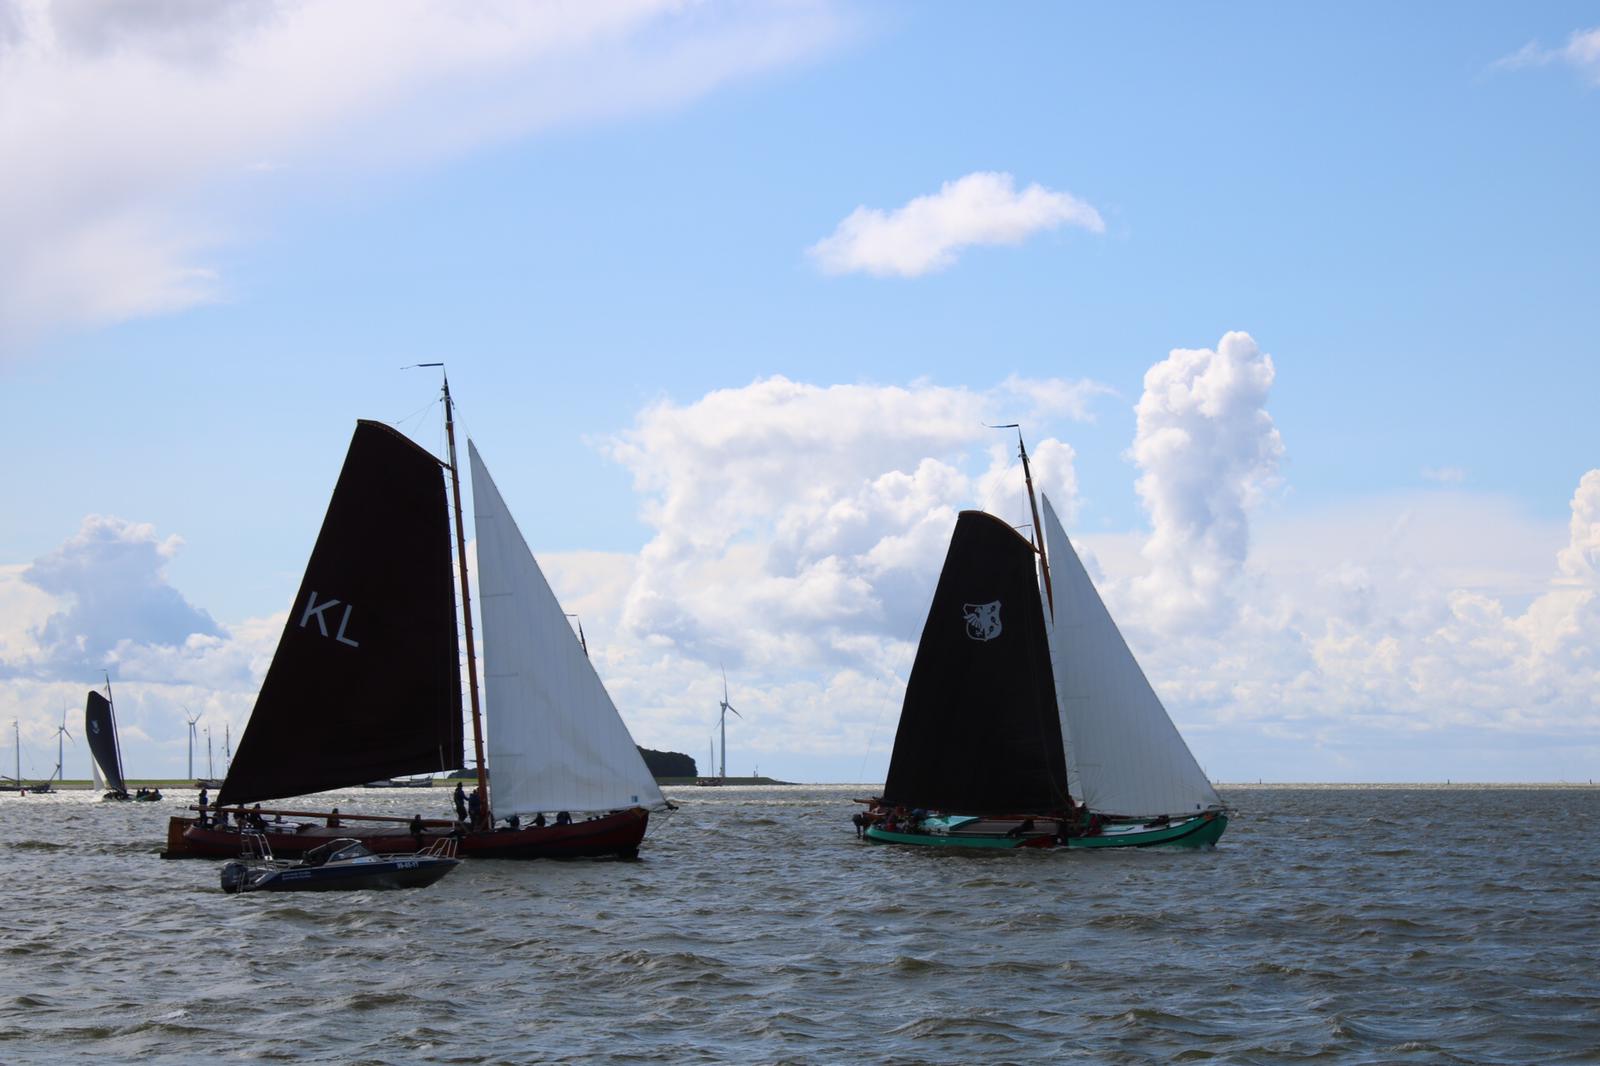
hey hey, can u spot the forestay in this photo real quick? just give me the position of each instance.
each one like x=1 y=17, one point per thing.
x=1124 y=755
x=556 y=741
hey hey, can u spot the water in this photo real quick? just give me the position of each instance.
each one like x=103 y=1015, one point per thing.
x=1448 y=925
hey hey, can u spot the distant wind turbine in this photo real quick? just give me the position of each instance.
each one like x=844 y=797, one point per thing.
x=722 y=720
x=191 y=722
x=61 y=731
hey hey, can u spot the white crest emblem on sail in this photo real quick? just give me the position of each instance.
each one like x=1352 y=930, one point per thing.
x=555 y=739
x=983 y=619
x=1124 y=755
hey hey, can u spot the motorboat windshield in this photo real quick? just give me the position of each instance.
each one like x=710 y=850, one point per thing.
x=342 y=850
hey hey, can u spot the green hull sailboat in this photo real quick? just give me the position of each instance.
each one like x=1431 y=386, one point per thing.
x=1027 y=722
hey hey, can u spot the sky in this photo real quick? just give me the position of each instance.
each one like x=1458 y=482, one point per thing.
x=1296 y=307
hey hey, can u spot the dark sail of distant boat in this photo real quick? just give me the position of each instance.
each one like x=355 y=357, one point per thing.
x=982 y=675
x=101 y=728
x=366 y=681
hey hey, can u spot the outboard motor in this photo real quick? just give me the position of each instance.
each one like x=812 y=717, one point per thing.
x=235 y=877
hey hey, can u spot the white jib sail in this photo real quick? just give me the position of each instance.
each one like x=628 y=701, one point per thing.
x=94 y=770
x=555 y=739
x=1124 y=755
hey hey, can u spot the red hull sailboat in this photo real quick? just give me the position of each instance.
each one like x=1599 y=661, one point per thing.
x=366 y=684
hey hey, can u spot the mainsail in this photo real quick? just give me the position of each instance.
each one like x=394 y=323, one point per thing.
x=366 y=681
x=556 y=741
x=101 y=729
x=979 y=733
x=1124 y=755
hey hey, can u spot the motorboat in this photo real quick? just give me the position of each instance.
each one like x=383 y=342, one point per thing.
x=343 y=865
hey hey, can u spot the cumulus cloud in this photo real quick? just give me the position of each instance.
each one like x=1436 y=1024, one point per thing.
x=928 y=233
x=1581 y=52
x=111 y=575
x=101 y=602
x=795 y=525
x=1207 y=451
x=139 y=139
x=1580 y=559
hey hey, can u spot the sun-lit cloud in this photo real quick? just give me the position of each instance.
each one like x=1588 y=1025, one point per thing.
x=1581 y=52
x=1207 y=450
x=142 y=140
x=929 y=232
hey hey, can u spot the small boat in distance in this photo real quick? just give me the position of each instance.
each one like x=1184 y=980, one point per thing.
x=1027 y=722
x=341 y=865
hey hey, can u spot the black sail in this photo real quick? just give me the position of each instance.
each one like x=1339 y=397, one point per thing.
x=366 y=681
x=101 y=729
x=979 y=732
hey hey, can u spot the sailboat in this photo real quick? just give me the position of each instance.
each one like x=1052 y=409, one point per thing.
x=1027 y=722
x=366 y=683
x=105 y=753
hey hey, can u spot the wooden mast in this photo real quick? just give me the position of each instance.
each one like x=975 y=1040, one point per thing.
x=1038 y=530
x=466 y=611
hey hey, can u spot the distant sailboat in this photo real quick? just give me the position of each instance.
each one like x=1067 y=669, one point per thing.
x=100 y=726
x=1027 y=722
x=366 y=682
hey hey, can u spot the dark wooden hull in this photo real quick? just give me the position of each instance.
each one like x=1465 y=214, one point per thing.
x=618 y=834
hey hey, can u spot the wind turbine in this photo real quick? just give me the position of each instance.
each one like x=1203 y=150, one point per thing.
x=61 y=731
x=191 y=722
x=722 y=721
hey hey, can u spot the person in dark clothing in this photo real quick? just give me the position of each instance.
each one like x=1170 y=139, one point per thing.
x=563 y=818
x=461 y=803
x=416 y=829
x=475 y=808
x=333 y=818
x=538 y=819
x=204 y=795
x=256 y=821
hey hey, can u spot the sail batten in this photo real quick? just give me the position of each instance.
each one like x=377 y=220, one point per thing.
x=979 y=733
x=1124 y=755
x=555 y=739
x=366 y=681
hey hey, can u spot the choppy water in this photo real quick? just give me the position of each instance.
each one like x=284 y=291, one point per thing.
x=1331 y=925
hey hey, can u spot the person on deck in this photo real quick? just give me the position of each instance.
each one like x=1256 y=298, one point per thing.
x=563 y=818
x=475 y=808
x=256 y=821
x=416 y=829
x=204 y=795
x=538 y=820
x=333 y=818
x=461 y=803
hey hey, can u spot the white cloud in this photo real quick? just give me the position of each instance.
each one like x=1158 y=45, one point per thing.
x=796 y=525
x=1581 y=52
x=928 y=233
x=110 y=578
x=139 y=139
x=1207 y=451
x=1580 y=559
x=1444 y=475
x=101 y=602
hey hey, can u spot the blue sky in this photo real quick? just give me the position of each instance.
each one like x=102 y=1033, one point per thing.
x=603 y=223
